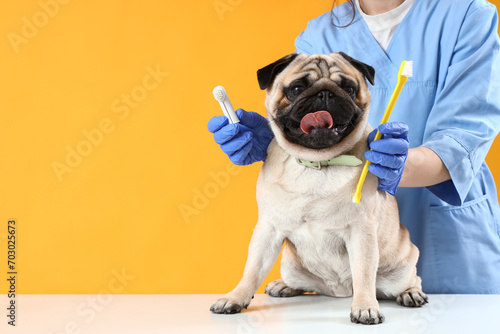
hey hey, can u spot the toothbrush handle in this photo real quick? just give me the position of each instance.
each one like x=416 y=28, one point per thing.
x=364 y=172
x=227 y=108
x=401 y=82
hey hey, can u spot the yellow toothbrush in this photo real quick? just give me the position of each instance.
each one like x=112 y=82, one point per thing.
x=405 y=72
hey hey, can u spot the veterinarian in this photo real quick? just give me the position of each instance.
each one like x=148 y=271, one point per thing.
x=447 y=196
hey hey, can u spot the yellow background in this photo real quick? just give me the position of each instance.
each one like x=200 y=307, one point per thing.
x=120 y=207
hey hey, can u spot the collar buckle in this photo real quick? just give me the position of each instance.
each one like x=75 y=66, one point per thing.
x=311 y=164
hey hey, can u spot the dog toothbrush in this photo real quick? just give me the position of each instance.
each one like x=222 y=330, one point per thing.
x=221 y=96
x=405 y=72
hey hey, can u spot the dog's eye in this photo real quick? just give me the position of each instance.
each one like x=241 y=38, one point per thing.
x=297 y=89
x=351 y=91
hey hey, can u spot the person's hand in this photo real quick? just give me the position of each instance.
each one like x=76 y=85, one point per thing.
x=245 y=142
x=388 y=155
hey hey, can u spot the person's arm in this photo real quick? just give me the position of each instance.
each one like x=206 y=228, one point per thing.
x=462 y=124
x=465 y=117
x=423 y=168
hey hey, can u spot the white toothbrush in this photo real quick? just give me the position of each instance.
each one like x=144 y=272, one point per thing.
x=221 y=96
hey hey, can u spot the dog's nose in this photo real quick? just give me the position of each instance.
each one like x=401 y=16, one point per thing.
x=325 y=95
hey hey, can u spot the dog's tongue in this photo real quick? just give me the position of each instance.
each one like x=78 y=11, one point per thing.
x=314 y=120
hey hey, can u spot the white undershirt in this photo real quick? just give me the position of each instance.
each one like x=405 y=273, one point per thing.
x=384 y=25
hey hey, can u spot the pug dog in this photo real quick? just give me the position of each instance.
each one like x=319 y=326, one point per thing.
x=318 y=109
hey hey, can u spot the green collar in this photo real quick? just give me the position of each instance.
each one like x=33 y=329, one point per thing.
x=341 y=160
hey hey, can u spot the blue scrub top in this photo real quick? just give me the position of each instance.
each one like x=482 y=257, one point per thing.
x=452 y=106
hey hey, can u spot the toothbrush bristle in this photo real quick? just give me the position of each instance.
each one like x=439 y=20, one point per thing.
x=219 y=93
x=408 y=69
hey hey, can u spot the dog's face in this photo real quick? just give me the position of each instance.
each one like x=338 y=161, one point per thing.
x=317 y=105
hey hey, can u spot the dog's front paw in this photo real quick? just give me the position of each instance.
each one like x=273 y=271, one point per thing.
x=412 y=298
x=227 y=306
x=278 y=288
x=367 y=316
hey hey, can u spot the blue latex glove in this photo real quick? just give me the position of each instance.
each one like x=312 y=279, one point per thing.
x=245 y=142
x=388 y=155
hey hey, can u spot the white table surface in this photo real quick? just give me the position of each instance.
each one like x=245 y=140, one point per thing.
x=184 y=314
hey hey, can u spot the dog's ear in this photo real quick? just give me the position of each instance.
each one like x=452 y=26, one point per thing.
x=366 y=70
x=267 y=74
